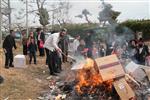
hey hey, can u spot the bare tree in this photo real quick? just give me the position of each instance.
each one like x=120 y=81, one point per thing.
x=85 y=13
x=43 y=13
x=108 y=15
x=61 y=12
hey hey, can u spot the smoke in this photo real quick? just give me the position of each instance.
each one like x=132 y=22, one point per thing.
x=110 y=32
x=115 y=32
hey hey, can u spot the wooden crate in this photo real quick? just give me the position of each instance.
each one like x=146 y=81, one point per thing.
x=109 y=67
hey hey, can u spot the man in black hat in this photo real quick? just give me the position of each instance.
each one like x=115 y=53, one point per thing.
x=8 y=45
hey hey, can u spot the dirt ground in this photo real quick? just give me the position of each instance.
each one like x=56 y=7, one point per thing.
x=24 y=83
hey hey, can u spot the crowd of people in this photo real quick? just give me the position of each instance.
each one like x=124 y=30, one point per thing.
x=136 y=50
x=57 y=44
x=55 y=47
x=32 y=43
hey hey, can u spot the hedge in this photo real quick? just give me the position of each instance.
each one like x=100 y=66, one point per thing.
x=139 y=26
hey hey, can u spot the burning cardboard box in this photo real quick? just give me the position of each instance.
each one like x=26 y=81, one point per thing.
x=109 y=67
x=123 y=89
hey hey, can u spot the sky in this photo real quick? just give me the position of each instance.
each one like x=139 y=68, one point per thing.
x=130 y=9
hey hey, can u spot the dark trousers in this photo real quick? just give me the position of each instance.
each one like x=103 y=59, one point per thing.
x=32 y=54
x=58 y=61
x=89 y=53
x=8 y=58
x=25 y=49
x=41 y=51
x=47 y=53
x=53 y=63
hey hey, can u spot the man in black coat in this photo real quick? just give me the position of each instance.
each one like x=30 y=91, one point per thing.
x=89 y=43
x=8 y=45
x=142 y=52
x=63 y=44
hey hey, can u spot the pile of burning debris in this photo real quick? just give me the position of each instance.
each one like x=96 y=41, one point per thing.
x=103 y=79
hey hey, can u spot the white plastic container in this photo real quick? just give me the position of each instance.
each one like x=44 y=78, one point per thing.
x=19 y=61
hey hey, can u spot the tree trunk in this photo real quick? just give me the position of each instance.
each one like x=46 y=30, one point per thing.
x=86 y=18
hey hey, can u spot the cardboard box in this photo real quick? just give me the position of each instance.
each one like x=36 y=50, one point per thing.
x=109 y=67
x=135 y=71
x=147 y=71
x=123 y=89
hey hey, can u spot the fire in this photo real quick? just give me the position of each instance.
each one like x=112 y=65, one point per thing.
x=90 y=77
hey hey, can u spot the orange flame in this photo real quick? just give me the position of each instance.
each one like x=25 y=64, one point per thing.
x=90 y=77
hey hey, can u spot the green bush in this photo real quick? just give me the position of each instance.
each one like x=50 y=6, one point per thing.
x=139 y=25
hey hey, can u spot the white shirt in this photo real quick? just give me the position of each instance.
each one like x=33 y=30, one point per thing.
x=39 y=36
x=51 y=42
x=76 y=43
x=140 y=50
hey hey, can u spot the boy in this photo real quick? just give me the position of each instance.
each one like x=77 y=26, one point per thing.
x=32 y=48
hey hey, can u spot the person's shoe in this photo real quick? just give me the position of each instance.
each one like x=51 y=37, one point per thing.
x=11 y=66
x=35 y=63
x=1 y=79
x=6 y=67
x=57 y=71
x=53 y=74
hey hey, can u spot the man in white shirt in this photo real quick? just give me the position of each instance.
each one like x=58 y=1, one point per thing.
x=76 y=43
x=51 y=44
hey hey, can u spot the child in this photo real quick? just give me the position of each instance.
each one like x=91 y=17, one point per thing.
x=95 y=50
x=81 y=48
x=32 y=48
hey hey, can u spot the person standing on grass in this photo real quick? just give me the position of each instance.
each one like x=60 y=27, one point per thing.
x=41 y=40
x=8 y=45
x=32 y=48
x=24 y=42
x=51 y=44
